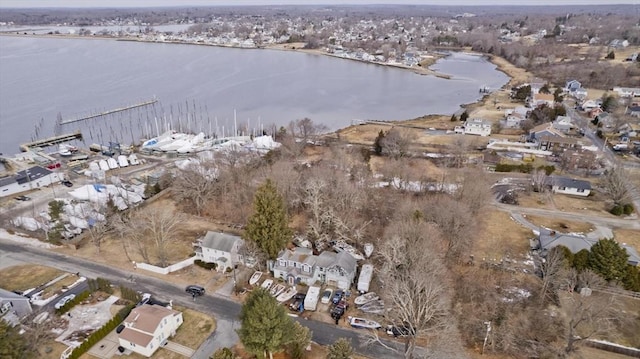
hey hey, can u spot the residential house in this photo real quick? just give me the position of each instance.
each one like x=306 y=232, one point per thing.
x=580 y=93
x=540 y=99
x=619 y=44
x=572 y=85
x=566 y=185
x=627 y=91
x=548 y=239
x=219 y=248
x=300 y=265
x=477 y=126
x=148 y=327
x=32 y=178
x=545 y=129
x=13 y=307
x=634 y=111
x=514 y=120
x=536 y=84
x=589 y=105
x=563 y=124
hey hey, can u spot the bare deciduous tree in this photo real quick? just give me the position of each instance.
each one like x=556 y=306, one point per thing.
x=474 y=189
x=196 y=184
x=589 y=316
x=150 y=231
x=616 y=183
x=538 y=180
x=396 y=142
x=415 y=280
x=554 y=271
x=455 y=221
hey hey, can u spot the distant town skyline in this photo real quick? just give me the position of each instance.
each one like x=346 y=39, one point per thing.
x=177 y=3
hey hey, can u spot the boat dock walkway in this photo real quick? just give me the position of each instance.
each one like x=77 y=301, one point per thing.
x=116 y=110
x=51 y=141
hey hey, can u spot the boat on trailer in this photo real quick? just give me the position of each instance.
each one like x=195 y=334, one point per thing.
x=255 y=277
x=267 y=284
x=277 y=289
x=366 y=298
x=286 y=295
x=364 y=323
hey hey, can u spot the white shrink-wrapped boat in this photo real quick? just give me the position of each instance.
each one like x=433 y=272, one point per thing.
x=364 y=323
x=267 y=284
x=366 y=298
x=286 y=295
x=255 y=278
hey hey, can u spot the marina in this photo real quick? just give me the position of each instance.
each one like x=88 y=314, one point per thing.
x=105 y=113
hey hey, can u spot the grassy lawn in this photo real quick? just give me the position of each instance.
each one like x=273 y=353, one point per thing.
x=59 y=285
x=628 y=236
x=25 y=277
x=195 y=329
x=54 y=349
x=561 y=225
x=501 y=235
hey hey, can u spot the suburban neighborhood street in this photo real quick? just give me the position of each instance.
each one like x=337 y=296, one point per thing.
x=224 y=310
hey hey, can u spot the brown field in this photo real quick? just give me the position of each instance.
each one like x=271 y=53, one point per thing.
x=195 y=329
x=628 y=236
x=52 y=350
x=501 y=235
x=25 y=277
x=561 y=225
x=59 y=285
x=590 y=205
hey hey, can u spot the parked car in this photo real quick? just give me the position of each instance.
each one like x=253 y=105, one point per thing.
x=67 y=183
x=64 y=301
x=195 y=290
x=326 y=296
x=337 y=296
x=401 y=330
x=23 y=198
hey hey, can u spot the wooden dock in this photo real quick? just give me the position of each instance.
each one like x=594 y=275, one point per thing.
x=116 y=110
x=51 y=141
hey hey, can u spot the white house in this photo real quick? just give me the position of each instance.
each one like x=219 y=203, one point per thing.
x=148 y=327
x=219 y=248
x=563 y=124
x=13 y=307
x=589 y=105
x=540 y=99
x=627 y=91
x=566 y=185
x=477 y=126
x=34 y=177
x=514 y=120
x=302 y=266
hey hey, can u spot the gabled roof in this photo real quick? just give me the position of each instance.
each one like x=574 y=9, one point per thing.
x=5 y=294
x=543 y=97
x=345 y=261
x=567 y=182
x=146 y=318
x=219 y=241
x=136 y=337
x=32 y=174
x=575 y=243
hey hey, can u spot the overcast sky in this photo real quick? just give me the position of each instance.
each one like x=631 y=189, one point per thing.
x=144 y=3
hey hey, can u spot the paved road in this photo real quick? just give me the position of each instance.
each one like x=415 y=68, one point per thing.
x=633 y=223
x=223 y=309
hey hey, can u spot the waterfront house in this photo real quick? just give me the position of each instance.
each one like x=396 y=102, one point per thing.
x=31 y=178
x=514 y=120
x=219 y=248
x=149 y=327
x=300 y=265
x=540 y=99
x=477 y=126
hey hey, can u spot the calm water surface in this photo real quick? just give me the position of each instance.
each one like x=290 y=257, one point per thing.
x=197 y=85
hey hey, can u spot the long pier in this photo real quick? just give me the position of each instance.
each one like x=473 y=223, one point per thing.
x=51 y=141
x=141 y=104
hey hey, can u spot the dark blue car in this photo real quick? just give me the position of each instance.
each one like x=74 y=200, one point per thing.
x=337 y=296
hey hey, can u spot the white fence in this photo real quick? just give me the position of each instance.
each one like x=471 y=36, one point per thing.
x=166 y=270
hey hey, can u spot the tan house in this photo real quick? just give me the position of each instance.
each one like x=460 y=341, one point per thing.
x=540 y=99
x=148 y=327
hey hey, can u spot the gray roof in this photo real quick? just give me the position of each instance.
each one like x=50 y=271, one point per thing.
x=220 y=241
x=575 y=243
x=345 y=261
x=5 y=294
x=32 y=174
x=568 y=182
x=5 y=181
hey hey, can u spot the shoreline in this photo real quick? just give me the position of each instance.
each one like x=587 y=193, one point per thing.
x=419 y=70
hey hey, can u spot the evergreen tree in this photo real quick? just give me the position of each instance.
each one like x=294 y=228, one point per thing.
x=268 y=226
x=557 y=95
x=341 y=349
x=631 y=279
x=12 y=344
x=611 y=55
x=300 y=340
x=581 y=260
x=454 y=118
x=608 y=259
x=377 y=145
x=464 y=116
x=266 y=328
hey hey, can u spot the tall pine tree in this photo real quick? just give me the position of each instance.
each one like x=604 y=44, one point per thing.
x=268 y=226
x=609 y=260
x=341 y=349
x=266 y=328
